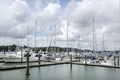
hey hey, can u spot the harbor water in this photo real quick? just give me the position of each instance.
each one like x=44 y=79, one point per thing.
x=63 y=72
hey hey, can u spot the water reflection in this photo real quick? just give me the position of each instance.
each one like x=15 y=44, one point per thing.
x=70 y=66
x=86 y=73
x=27 y=78
x=38 y=68
x=71 y=76
x=89 y=73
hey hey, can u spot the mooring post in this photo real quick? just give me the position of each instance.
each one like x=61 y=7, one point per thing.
x=114 y=60
x=118 y=60
x=27 y=67
x=21 y=56
x=79 y=57
x=85 y=59
x=71 y=60
x=4 y=51
x=39 y=58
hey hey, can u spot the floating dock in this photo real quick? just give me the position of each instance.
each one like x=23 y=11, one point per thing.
x=3 y=68
x=96 y=65
x=1 y=60
x=34 y=65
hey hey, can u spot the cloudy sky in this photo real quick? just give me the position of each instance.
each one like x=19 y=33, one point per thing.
x=43 y=15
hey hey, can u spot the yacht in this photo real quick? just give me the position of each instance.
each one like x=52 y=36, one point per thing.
x=16 y=57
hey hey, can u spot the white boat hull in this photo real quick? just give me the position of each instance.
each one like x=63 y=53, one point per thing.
x=18 y=60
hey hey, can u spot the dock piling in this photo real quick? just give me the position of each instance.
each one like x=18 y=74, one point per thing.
x=79 y=57
x=118 y=60
x=114 y=60
x=27 y=67
x=39 y=58
x=85 y=59
x=21 y=56
x=71 y=60
x=4 y=52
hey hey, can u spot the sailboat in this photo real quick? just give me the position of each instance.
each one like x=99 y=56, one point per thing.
x=15 y=57
x=20 y=55
x=105 y=60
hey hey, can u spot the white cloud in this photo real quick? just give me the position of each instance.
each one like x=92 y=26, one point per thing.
x=105 y=13
x=19 y=11
x=48 y=15
x=12 y=16
x=17 y=15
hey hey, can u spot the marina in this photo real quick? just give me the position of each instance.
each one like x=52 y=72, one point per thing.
x=53 y=60
x=3 y=68
x=60 y=40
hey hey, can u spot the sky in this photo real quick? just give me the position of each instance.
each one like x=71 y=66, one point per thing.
x=78 y=15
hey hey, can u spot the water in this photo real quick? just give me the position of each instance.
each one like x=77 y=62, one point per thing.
x=63 y=72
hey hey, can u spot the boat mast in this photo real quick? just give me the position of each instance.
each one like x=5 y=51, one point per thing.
x=67 y=39
x=103 y=43
x=55 y=38
x=28 y=38
x=79 y=42
x=27 y=57
x=80 y=48
x=49 y=46
x=93 y=38
x=119 y=33
x=35 y=35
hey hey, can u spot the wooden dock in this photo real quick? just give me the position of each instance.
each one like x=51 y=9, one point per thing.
x=3 y=68
x=1 y=60
x=34 y=65
x=96 y=65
